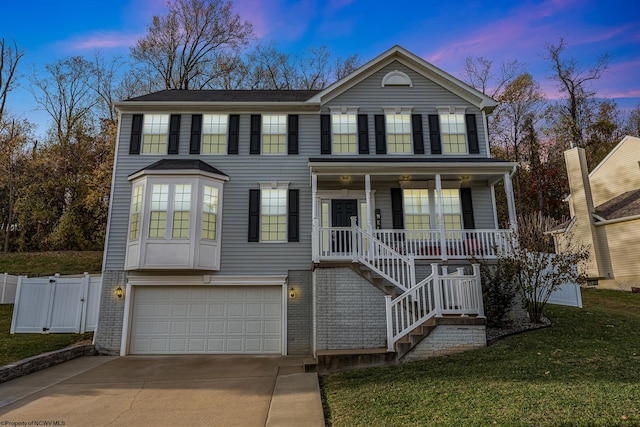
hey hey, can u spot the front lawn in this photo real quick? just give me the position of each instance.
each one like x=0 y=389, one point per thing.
x=35 y=264
x=582 y=371
x=20 y=346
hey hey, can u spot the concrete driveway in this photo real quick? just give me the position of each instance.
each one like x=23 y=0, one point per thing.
x=166 y=391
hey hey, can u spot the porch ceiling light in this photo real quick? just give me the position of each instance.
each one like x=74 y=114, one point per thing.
x=405 y=178
x=119 y=292
x=464 y=177
x=345 y=178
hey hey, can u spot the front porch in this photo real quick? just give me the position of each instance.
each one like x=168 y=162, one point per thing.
x=418 y=208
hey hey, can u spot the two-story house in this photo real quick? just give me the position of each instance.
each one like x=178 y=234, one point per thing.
x=292 y=222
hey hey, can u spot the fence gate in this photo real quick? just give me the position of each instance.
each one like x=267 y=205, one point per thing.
x=56 y=305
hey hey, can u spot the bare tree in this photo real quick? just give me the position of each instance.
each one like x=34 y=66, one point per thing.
x=10 y=55
x=66 y=94
x=574 y=79
x=185 y=46
x=480 y=74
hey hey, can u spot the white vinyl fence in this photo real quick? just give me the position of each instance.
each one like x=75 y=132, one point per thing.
x=8 y=285
x=56 y=304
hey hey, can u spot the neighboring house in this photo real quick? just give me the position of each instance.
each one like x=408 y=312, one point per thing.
x=605 y=214
x=230 y=221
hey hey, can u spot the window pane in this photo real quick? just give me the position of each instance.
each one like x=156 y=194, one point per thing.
x=136 y=206
x=158 y=217
x=273 y=224
x=214 y=134
x=399 y=133
x=343 y=128
x=210 y=210
x=451 y=212
x=274 y=133
x=416 y=212
x=154 y=133
x=181 y=208
x=453 y=133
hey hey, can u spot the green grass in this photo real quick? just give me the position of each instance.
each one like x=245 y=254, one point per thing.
x=20 y=346
x=34 y=264
x=582 y=371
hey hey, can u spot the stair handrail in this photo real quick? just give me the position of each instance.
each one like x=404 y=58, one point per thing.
x=383 y=259
x=413 y=307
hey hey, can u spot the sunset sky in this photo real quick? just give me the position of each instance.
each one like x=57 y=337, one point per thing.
x=443 y=33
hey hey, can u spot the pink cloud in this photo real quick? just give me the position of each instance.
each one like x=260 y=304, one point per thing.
x=253 y=11
x=102 y=40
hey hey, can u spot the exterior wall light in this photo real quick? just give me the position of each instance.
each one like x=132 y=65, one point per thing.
x=119 y=293
x=292 y=293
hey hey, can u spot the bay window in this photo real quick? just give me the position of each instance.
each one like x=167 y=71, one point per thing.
x=180 y=216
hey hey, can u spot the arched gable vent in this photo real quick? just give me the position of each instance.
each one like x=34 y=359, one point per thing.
x=396 y=78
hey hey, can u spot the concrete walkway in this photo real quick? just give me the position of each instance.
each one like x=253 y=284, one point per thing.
x=167 y=391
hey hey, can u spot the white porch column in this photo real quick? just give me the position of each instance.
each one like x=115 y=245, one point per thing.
x=315 y=227
x=367 y=184
x=443 y=240
x=511 y=204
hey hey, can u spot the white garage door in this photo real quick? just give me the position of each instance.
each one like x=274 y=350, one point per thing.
x=211 y=319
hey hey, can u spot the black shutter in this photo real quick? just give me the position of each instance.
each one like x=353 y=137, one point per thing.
x=396 y=208
x=174 y=133
x=196 y=134
x=136 y=134
x=293 y=134
x=294 y=216
x=418 y=138
x=467 y=209
x=363 y=134
x=325 y=134
x=434 y=134
x=254 y=216
x=256 y=121
x=234 y=133
x=381 y=136
x=472 y=134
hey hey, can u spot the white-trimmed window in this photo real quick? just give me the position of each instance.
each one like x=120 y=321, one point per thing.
x=214 y=133
x=454 y=132
x=421 y=210
x=158 y=213
x=209 y=212
x=273 y=214
x=155 y=132
x=416 y=209
x=136 y=207
x=274 y=134
x=398 y=127
x=344 y=130
x=451 y=211
x=181 y=208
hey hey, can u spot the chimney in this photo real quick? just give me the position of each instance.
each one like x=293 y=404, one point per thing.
x=584 y=229
x=578 y=174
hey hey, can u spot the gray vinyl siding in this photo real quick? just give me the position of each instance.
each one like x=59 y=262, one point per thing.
x=482 y=208
x=245 y=171
x=424 y=97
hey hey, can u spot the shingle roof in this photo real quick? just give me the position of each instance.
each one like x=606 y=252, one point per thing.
x=625 y=205
x=177 y=95
x=182 y=164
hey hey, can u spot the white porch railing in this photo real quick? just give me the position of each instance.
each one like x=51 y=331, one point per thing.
x=334 y=243
x=397 y=268
x=436 y=295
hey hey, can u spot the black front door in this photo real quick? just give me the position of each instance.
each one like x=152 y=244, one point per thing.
x=341 y=212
